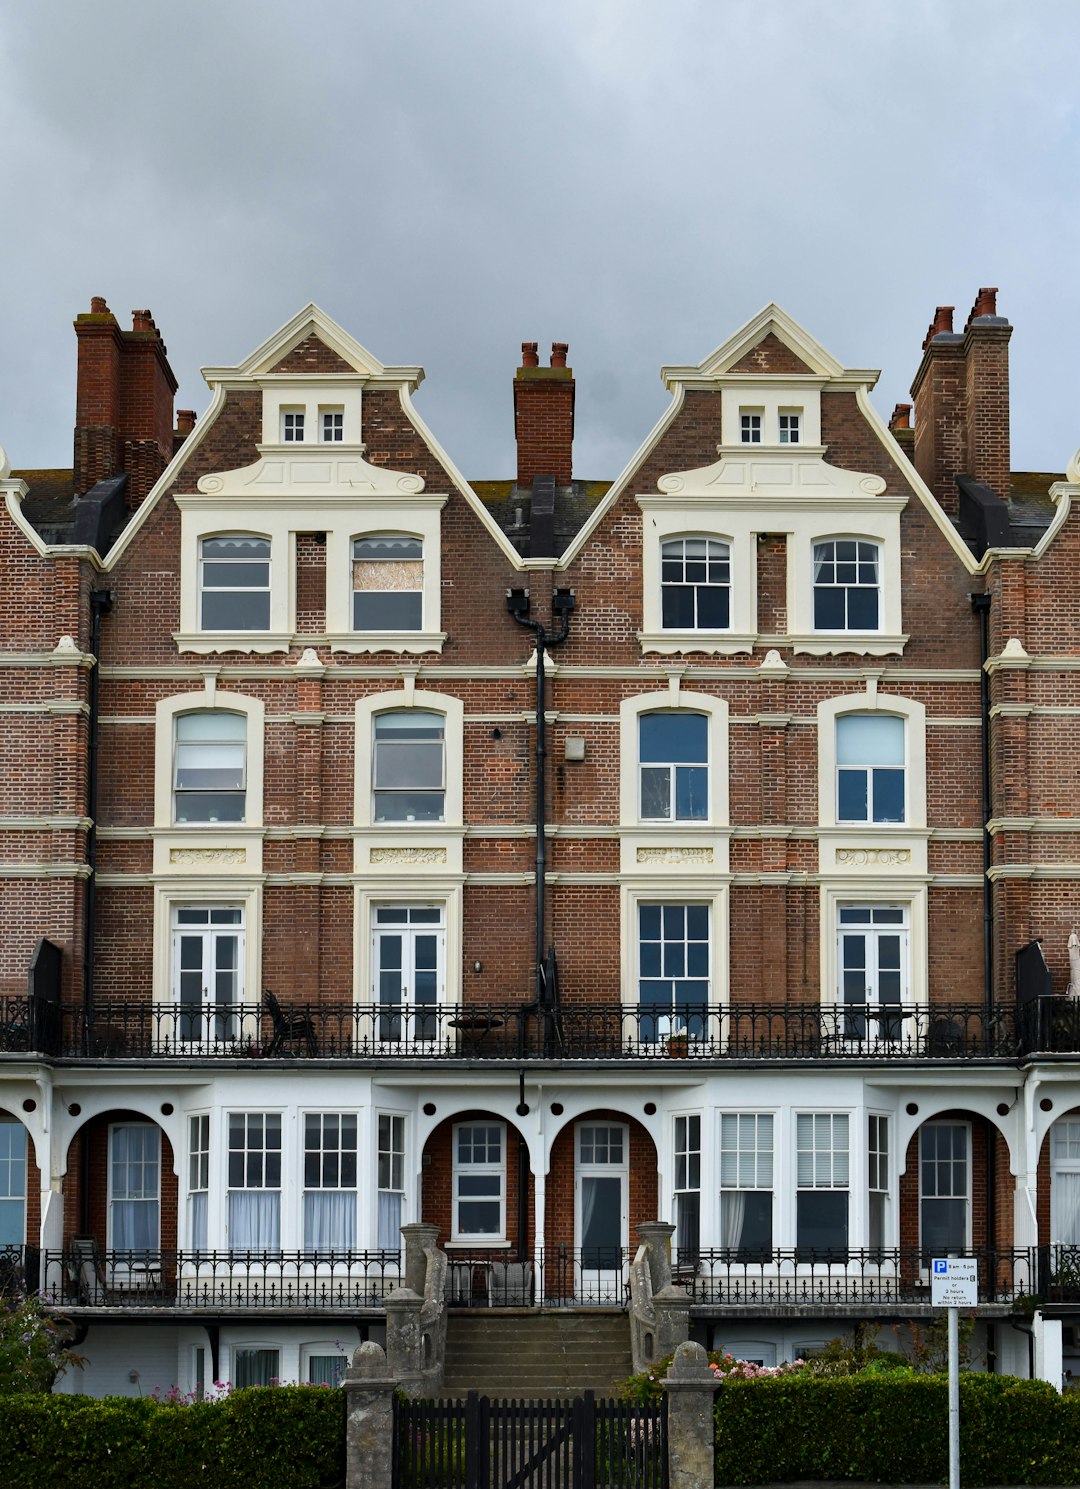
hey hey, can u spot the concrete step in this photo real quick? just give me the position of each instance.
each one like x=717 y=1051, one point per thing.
x=528 y=1354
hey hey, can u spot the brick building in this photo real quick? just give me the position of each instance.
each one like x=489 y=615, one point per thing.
x=287 y=962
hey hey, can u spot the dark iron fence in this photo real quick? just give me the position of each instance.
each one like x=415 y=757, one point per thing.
x=482 y=1444
x=506 y=1031
x=82 y=1275
x=800 y=1275
x=551 y=1277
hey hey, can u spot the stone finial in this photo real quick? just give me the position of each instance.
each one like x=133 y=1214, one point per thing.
x=369 y=1360
x=690 y=1363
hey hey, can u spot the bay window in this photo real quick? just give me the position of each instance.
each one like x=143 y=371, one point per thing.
x=254 y=1181
x=746 y=1185
x=822 y=1179
x=329 y=1182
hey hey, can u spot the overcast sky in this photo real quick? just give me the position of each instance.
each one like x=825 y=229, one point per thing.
x=449 y=178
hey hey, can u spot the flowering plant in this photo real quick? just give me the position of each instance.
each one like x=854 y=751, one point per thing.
x=33 y=1345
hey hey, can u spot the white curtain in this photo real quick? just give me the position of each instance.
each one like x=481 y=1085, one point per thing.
x=330 y=1220
x=732 y=1214
x=1066 y=1207
x=198 y=1221
x=254 y=1220
x=135 y=1169
x=389 y=1221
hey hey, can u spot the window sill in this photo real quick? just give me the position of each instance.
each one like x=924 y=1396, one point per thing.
x=714 y=643
x=856 y=643
x=207 y=643
x=480 y=1243
x=412 y=642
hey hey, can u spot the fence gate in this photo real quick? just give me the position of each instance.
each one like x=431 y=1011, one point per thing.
x=484 y=1444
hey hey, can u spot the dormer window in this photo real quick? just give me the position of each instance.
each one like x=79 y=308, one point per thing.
x=292 y=426
x=790 y=426
x=695 y=584
x=750 y=426
x=847 y=585
x=331 y=426
x=234 y=581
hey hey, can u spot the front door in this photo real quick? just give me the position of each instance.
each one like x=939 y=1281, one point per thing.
x=408 y=955
x=601 y=1205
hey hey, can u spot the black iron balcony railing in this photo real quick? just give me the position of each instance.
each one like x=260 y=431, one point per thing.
x=81 y=1275
x=510 y=1031
x=800 y=1276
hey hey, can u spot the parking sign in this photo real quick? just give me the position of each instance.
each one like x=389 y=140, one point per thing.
x=954 y=1282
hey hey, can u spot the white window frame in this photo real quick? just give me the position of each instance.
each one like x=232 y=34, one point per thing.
x=674 y=768
x=751 y=425
x=321 y=1349
x=668 y=519
x=888 y=888
x=166 y=713
x=395 y=1157
x=198 y=1130
x=663 y=1025
x=479 y=1238
x=715 y=711
x=184 y=889
x=278 y=1189
x=717 y=551
x=835 y=1162
x=862 y=542
x=372 y=537
x=237 y=792
x=790 y=422
x=755 y=1166
x=453 y=711
x=331 y=423
x=829 y=712
x=267 y=589
x=293 y=424
x=417 y=516
x=13 y=1185
x=212 y=1021
x=686 y=1177
x=969 y=1164
x=868 y=772
x=418 y=1025
x=873 y=1021
x=383 y=744
x=1064 y=1165
x=342 y=1152
x=128 y=1261
x=261 y=1348
x=878 y=1176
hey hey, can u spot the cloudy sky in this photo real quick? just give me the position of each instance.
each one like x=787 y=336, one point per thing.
x=448 y=178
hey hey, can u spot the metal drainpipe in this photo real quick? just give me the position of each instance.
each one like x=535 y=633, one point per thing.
x=980 y=604
x=563 y=603
x=101 y=602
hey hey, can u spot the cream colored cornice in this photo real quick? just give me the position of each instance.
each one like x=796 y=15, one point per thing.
x=62 y=822
x=749 y=672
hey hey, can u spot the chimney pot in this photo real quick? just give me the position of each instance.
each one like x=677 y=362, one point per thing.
x=901 y=416
x=559 y=350
x=942 y=323
x=985 y=304
x=98 y=305
x=185 y=420
x=529 y=354
x=142 y=320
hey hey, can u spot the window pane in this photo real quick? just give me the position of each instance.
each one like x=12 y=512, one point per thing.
x=869 y=739
x=822 y=1222
x=673 y=737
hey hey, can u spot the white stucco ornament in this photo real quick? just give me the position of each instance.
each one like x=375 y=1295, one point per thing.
x=1072 y=470
x=5 y=464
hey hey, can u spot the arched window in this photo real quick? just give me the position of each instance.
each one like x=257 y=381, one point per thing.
x=870 y=768
x=847 y=585
x=388 y=583
x=210 y=767
x=12 y=1182
x=673 y=756
x=695 y=584
x=234 y=583
x=409 y=766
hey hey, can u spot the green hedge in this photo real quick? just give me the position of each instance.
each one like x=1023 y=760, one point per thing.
x=287 y=1437
x=895 y=1430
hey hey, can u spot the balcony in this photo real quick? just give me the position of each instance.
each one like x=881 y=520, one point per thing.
x=79 y=1277
x=628 y=1033
x=880 y=1277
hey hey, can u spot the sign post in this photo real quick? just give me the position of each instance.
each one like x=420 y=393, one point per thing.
x=954 y=1284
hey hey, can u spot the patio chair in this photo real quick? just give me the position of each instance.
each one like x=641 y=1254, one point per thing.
x=510 y=1284
x=82 y=1266
x=288 y=1026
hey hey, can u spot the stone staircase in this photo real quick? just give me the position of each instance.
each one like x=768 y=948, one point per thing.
x=527 y=1353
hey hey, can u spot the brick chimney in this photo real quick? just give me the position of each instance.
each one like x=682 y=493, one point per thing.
x=123 y=401
x=961 y=394
x=986 y=350
x=901 y=430
x=544 y=416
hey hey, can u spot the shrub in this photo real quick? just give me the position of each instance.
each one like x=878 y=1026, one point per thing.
x=287 y=1437
x=33 y=1348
